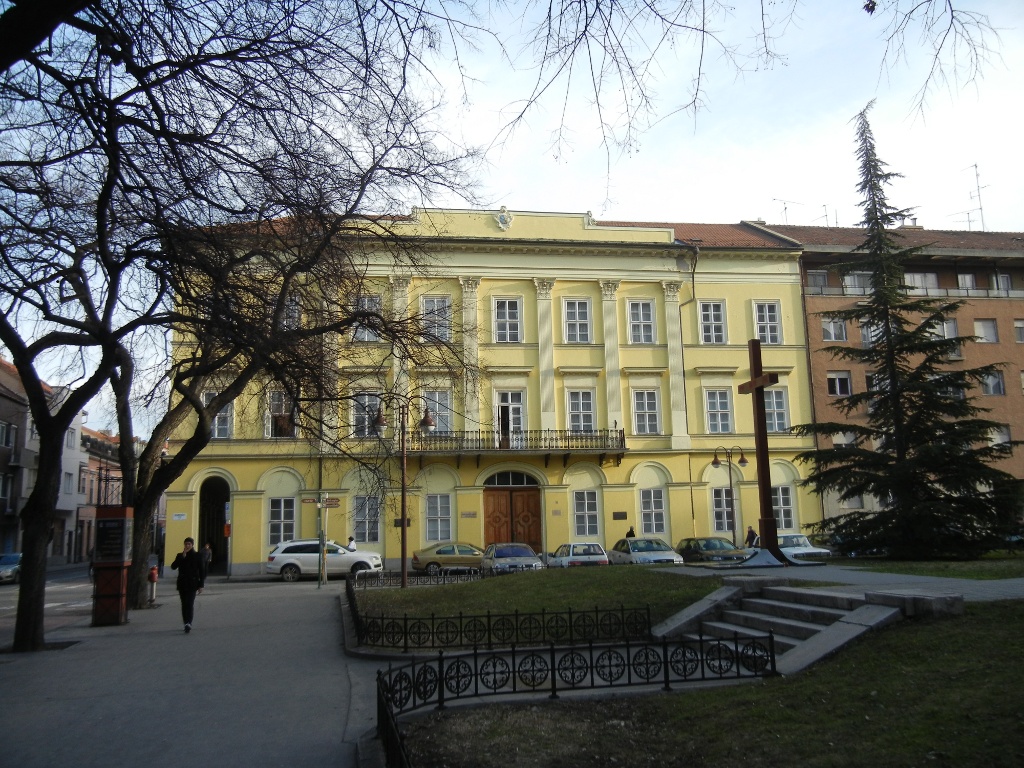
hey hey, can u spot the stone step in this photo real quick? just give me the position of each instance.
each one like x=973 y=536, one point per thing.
x=723 y=630
x=766 y=622
x=802 y=612
x=822 y=597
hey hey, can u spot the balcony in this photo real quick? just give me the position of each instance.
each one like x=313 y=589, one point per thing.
x=940 y=293
x=535 y=442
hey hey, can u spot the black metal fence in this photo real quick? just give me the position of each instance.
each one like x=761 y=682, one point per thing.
x=555 y=669
x=374 y=579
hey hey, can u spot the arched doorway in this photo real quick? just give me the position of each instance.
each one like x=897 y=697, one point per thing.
x=512 y=509
x=214 y=496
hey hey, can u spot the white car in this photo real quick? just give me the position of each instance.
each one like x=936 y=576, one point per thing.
x=644 y=550
x=796 y=545
x=301 y=557
x=578 y=553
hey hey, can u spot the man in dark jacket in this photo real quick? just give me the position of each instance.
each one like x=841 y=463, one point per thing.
x=191 y=579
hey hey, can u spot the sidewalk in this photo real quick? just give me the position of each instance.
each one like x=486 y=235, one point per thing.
x=261 y=680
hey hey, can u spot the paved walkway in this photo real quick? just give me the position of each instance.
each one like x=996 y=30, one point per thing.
x=263 y=680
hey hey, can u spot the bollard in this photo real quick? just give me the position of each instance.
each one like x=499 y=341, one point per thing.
x=152 y=584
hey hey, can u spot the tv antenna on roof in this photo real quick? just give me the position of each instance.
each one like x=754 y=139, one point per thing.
x=785 y=209
x=976 y=195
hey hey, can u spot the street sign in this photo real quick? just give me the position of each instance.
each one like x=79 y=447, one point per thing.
x=309 y=501
x=332 y=502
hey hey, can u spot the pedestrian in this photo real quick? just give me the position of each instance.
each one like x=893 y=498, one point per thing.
x=751 y=536
x=191 y=579
x=630 y=534
x=351 y=546
x=207 y=554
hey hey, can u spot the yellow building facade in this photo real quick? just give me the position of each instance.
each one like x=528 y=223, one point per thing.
x=606 y=363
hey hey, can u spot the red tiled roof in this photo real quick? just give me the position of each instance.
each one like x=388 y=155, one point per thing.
x=712 y=235
x=910 y=236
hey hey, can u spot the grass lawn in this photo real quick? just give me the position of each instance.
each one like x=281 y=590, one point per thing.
x=992 y=566
x=924 y=692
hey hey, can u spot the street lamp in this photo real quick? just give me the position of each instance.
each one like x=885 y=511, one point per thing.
x=716 y=463
x=425 y=426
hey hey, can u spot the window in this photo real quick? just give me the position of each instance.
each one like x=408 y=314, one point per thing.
x=920 y=282
x=280 y=416
x=817 y=278
x=585 y=512
x=776 y=416
x=993 y=384
x=364 y=412
x=986 y=331
x=8 y=434
x=439 y=401
x=369 y=305
x=83 y=474
x=507 y=321
x=220 y=428
x=857 y=283
x=69 y=482
x=833 y=330
x=652 y=510
x=724 y=514
x=839 y=383
x=948 y=330
x=854 y=502
x=367 y=523
x=641 y=322
x=292 y=315
x=768 y=318
x=439 y=517
x=1000 y=434
x=719 y=408
x=1002 y=281
x=577 y=321
x=870 y=333
x=437 y=317
x=581 y=410
x=1018 y=331
x=6 y=485
x=282 y=520
x=69 y=439
x=645 y=412
x=782 y=506
x=966 y=281
x=712 y=322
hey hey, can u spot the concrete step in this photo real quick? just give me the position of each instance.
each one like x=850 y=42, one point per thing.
x=802 y=612
x=765 y=622
x=821 y=597
x=724 y=630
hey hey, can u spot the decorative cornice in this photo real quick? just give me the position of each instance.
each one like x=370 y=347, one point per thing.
x=544 y=287
x=470 y=285
x=671 y=289
x=609 y=288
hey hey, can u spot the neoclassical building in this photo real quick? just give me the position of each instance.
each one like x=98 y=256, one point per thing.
x=608 y=360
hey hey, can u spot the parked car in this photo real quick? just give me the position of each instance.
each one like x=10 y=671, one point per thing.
x=10 y=568
x=578 y=553
x=447 y=554
x=300 y=557
x=643 y=550
x=711 y=549
x=509 y=557
x=797 y=545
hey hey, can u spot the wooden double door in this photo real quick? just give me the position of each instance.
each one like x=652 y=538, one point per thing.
x=513 y=514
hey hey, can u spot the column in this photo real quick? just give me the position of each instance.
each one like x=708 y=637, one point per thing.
x=676 y=405
x=613 y=376
x=470 y=351
x=546 y=353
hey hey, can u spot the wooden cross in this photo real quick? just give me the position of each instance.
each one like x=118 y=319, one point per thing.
x=758 y=381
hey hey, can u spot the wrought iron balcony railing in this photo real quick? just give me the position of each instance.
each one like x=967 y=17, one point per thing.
x=533 y=440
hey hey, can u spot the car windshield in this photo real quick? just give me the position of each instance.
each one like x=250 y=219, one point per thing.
x=794 y=541
x=9 y=559
x=512 y=550
x=649 y=545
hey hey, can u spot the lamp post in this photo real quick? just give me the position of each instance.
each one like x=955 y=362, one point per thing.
x=425 y=426
x=716 y=463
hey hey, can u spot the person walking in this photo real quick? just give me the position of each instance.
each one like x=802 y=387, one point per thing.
x=751 y=536
x=207 y=553
x=191 y=579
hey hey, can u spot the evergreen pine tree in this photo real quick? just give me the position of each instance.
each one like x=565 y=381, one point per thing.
x=918 y=441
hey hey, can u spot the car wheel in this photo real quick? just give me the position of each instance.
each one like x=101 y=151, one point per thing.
x=290 y=573
x=360 y=567
x=433 y=569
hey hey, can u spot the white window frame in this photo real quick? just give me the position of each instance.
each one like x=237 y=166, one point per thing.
x=652 y=510
x=817 y=278
x=646 y=412
x=585 y=513
x=982 y=326
x=783 y=507
x=577 y=319
x=857 y=283
x=281 y=519
x=776 y=409
x=1018 y=331
x=919 y=283
x=69 y=438
x=222 y=422
x=366 y=519
x=640 y=313
x=966 y=281
x=833 y=329
x=768 y=321
x=439 y=401
x=993 y=384
x=291 y=317
x=579 y=405
x=713 y=328
x=370 y=303
x=508 y=320
x=437 y=317
x=365 y=406
x=439 y=516
x=277 y=401
x=719 y=419
x=836 y=381
x=722 y=505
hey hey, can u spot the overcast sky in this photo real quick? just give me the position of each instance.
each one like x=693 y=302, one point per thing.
x=779 y=144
